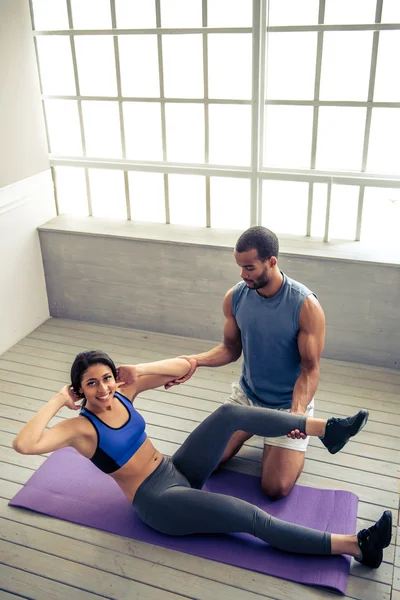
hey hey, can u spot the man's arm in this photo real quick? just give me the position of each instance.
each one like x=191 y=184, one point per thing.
x=223 y=354
x=231 y=347
x=310 y=342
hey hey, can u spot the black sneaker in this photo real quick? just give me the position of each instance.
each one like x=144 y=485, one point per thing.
x=339 y=431
x=371 y=541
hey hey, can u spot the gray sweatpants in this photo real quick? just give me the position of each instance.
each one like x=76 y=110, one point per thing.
x=171 y=501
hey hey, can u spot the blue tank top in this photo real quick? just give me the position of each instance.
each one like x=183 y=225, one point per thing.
x=269 y=328
x=116 y=445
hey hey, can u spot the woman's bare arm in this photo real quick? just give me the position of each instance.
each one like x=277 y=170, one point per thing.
x=134 y=379
x=34 y=438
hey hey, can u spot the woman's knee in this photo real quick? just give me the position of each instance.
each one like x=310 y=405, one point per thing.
x=227 y=410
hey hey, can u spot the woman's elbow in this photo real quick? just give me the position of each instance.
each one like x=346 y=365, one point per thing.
x=185 y=366
x=21 y=447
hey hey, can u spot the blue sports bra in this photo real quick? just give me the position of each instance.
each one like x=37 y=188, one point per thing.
x=116 y=445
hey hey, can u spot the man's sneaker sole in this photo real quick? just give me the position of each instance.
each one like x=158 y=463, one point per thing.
x=389 y=517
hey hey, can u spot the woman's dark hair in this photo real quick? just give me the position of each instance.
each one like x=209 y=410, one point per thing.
x=262 y=239
x=83 y=361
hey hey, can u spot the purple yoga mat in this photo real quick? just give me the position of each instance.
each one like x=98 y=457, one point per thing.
x=70 y=487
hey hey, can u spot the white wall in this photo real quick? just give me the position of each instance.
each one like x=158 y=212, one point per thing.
x=23 y=149
x=26 y=192
x=23 y=297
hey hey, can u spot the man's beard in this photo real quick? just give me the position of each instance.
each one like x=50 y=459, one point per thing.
x=262 y=281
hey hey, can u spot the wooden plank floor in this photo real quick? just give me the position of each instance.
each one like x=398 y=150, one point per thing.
x=45 y=558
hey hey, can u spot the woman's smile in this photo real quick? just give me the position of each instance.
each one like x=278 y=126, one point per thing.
x=104 y=397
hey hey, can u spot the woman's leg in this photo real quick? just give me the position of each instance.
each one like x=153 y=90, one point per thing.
x=201 y=452
x=166 y=502
x=184 y=511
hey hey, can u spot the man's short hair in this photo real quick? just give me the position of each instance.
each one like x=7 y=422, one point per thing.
x=262 y=239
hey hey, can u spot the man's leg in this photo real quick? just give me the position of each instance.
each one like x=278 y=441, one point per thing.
x=281 y=468
x=283 y=462
x=234 y=444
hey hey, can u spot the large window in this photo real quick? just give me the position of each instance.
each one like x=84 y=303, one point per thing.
x=225 y=113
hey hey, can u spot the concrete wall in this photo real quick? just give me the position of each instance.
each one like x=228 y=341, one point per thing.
x=178 y=289
x=26 y=191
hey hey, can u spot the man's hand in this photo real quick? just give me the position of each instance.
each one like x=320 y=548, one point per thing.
x=193 y=366
x=295 y=434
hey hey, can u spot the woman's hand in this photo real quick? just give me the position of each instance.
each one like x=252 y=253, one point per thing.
x=126 y=375
x=69 y=397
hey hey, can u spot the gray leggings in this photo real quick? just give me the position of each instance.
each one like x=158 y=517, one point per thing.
x=171 y=501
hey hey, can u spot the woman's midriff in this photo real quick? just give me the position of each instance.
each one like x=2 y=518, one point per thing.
x=134 y=472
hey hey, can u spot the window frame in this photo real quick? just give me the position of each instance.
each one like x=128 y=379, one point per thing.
x=256 y=172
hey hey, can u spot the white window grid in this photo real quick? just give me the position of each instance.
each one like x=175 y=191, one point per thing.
x=256 y=172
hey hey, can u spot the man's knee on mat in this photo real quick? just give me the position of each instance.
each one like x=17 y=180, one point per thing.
x=281 y=468
x=276 y=490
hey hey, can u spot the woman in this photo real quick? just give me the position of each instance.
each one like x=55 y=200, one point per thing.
x=166 y=492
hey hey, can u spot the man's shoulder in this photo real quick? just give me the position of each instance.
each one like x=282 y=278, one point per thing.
x=239 y=293
x=238 y=288
x=298 y=288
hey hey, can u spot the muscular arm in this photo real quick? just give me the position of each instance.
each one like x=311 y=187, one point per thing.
x=231 y=347
x=223 y=354
x=310 y=342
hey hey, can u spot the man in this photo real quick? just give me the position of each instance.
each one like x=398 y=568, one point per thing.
x=280 y=326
